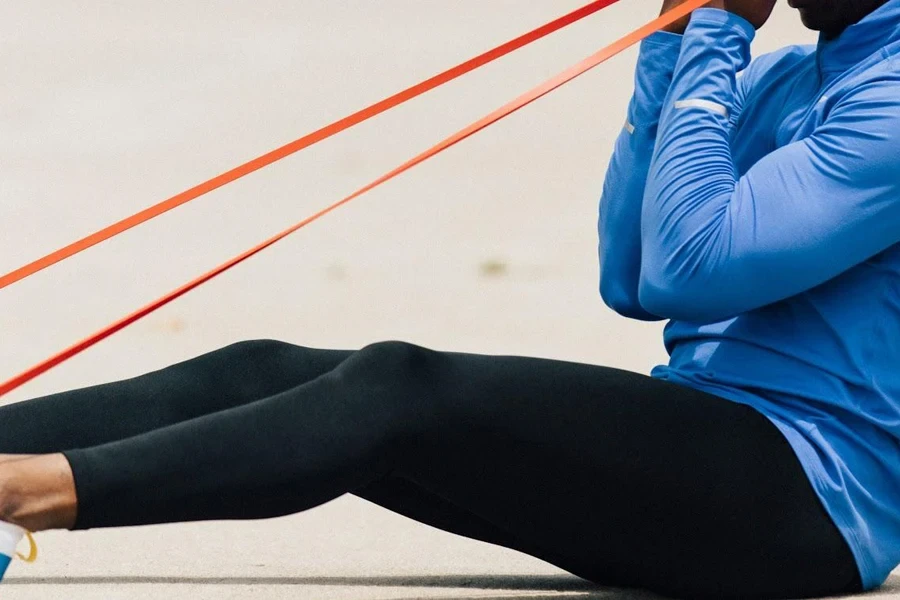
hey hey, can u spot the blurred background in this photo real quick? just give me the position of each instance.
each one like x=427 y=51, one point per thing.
x=108 y=107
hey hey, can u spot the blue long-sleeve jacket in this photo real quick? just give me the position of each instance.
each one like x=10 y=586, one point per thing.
x=757 y=208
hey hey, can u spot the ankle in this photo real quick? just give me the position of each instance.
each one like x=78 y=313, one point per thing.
x=38 y=493
x=10 y=499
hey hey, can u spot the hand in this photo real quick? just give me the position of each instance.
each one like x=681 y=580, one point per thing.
x=757 y=12
x=681 y=24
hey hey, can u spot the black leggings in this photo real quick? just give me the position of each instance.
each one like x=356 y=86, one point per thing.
x=613 y=476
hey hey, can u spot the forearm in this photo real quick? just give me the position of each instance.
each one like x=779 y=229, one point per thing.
x=623 y=189
x=692 y=175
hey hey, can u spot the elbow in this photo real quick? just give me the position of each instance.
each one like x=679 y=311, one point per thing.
x=617 y=298
x=682 y=299
x=624 y=301
x=661 y=298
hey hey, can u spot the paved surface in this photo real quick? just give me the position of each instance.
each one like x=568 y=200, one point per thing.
x=108 y=107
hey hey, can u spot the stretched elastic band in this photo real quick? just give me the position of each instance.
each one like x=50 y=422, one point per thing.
x=304 y=142
x=524 y=100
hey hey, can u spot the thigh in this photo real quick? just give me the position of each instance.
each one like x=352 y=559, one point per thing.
x=232 y=376
x=647 y=482
x=407 y=498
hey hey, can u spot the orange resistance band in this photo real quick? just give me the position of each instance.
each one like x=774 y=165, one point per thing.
x=520 y=102
x=304 y=142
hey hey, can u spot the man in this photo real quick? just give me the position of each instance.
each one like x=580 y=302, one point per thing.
x=761 y=216
x=757 y=207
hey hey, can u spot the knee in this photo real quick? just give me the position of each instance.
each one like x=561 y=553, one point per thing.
x=395 y=357
x=404 y=388
x=257 y=351
x=391 y=363
x=397 y=381
x=253 y=360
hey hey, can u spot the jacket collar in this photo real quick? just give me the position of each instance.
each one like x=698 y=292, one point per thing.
x=860 y=41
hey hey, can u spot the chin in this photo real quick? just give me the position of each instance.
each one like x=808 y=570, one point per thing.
x=810 y=21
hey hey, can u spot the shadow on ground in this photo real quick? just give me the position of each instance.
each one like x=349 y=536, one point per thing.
x=534 y=587
x=531 y=585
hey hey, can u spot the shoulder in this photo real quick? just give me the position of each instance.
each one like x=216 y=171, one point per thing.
x=871 y=96
x=862 y=126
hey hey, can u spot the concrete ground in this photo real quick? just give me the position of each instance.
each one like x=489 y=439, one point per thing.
x=108 y=107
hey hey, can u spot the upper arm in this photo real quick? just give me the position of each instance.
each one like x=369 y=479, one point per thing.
x=826 y=203
x=802 y=215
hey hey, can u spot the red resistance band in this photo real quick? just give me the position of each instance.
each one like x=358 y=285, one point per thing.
x=304 y=142
x=520 y=102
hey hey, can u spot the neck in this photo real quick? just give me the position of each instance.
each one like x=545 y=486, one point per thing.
x=853 y=14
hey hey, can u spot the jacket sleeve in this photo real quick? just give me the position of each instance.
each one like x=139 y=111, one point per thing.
x=620 y=204
x=715 y=245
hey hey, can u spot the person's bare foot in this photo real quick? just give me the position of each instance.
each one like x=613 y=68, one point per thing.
x=38 y=493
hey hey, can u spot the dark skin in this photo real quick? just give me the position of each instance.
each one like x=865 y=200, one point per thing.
x=830 y=17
